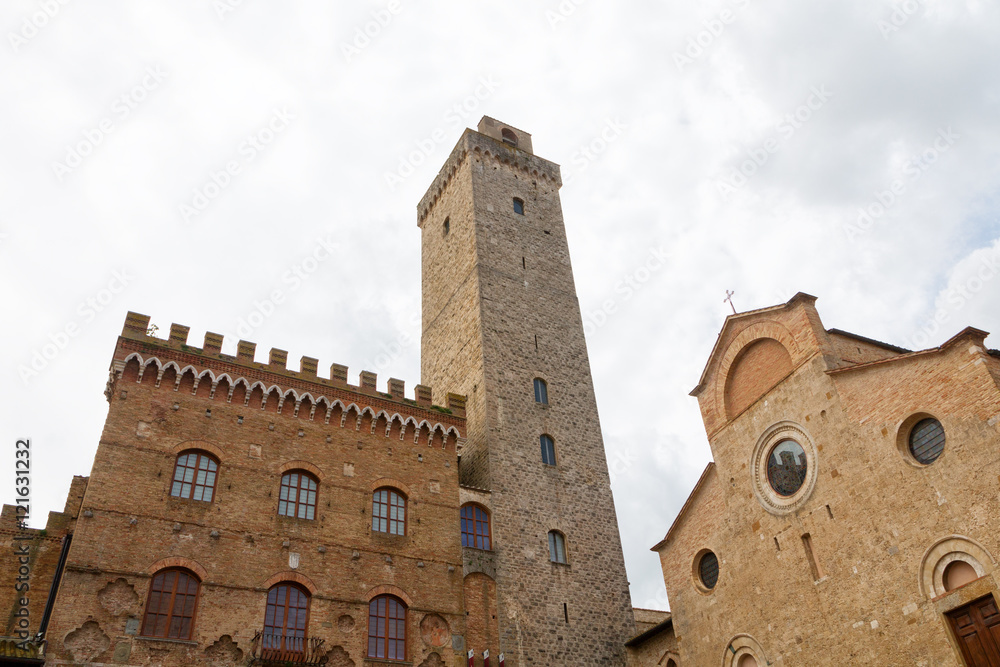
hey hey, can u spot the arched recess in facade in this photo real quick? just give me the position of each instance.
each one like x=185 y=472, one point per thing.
x=741 y=646
x=946 y=551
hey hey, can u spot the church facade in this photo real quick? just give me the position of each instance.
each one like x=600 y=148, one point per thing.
x=247 y=512
x=850 y=514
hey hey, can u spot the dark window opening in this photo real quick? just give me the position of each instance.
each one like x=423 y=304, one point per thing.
x=509 y=137
x=557 y=547
x=518 y=206
x=708 y=570
x=298 y=495
x=475 y=527
x=548 y=450
x=927 y=440
x=541 y=391
x=447 y=226
x=171 y=605
x=194 y=476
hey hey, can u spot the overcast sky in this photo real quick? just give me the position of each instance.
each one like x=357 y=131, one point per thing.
x=741 y=139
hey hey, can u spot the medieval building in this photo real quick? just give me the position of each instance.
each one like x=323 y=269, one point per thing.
x=244 y=512
x=850 y=515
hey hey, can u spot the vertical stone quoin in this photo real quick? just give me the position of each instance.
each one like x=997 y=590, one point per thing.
x=500 y=310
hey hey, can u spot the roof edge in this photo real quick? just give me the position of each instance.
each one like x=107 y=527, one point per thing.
x=686 y=506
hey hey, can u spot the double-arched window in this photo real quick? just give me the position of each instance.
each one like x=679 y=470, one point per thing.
x=387 y=628
x=298 y=495
x=475 y=527
x=194 y=476
x=389 y=511
x=286 y=618
x=171 y=604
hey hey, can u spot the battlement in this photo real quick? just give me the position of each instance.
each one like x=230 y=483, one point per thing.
x=488 y=143
x=208 y=365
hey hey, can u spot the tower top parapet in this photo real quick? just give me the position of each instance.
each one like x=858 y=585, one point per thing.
x=495 y=141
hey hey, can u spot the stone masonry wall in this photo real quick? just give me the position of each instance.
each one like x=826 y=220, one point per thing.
x=878 y=522
x=529 y=326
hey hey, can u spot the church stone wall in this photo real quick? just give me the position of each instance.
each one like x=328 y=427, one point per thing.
x=861 y=588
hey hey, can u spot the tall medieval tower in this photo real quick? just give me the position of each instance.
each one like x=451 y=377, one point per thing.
x=500 y=310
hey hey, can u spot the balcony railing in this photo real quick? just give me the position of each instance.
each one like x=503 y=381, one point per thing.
x=270 y=650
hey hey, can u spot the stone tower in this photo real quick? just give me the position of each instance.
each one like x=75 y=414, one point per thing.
x=499 y=310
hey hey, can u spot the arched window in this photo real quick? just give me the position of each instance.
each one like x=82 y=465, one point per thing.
x=509 y=137
x=475 y=527
x=548 y=450
x=298 y=495
x=387 y=628
x=194 y=476
x=518 y=206
x=557 y=547
x=286 y=618
x=171 y=605
x=541 y=391
x=389 y=512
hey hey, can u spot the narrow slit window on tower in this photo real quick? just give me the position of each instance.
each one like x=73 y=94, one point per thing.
x=518 y=206
x=811 y=556
x=446 y=227
x=566 y=611
x=524 y=264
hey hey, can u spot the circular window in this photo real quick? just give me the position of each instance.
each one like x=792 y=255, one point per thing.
x=708 y=570
x=926 y=440
x=783 y=468
x=787 y=467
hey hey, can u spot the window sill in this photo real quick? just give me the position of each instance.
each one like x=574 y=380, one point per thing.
x=185 y=642
x=383 y=661
x=566 y=565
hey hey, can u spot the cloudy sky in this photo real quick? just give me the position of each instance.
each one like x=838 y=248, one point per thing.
x=186 y=159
